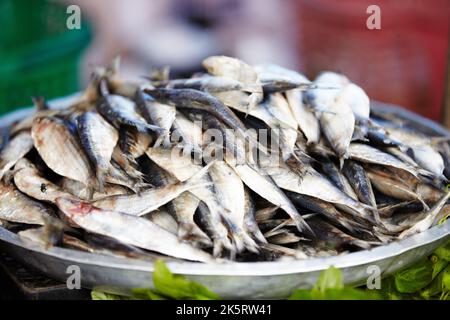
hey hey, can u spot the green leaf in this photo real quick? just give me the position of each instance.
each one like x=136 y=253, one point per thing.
x=438 y=265
x=301 y=295
x=330 y=286
x=178 y=287
x=146 y=294
x=414 y=278
x=436 y=287
x=99 y=295
x=329 y=279
x=443 y=252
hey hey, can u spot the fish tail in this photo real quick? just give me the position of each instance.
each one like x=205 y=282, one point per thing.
x=101 y=179
x=198 y=175
x=190 y=232
x=425 y=205
x=302 y=226
x=220 y=244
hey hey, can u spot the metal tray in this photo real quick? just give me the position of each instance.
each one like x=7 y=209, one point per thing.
x=263 y=280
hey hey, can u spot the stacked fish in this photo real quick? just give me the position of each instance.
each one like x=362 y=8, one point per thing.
x=243 y=163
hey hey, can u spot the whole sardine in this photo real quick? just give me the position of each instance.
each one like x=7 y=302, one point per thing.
x=98 y=139
x=138 y=231
x=29 y=180
x=360 y=182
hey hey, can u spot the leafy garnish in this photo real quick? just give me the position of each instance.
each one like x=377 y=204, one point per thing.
x=415 y=278
x=99 y=295
x=330 y=286
x=178 y=287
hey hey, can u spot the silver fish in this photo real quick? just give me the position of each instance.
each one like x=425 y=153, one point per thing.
x=29 y=180
x=211 y=84
x=265 y=187
x=162 y=115
x=313 y=184
x=17 y=207
x=336 y=117
x=235 y=69
x=120 y=110
x=151 y=199
x=16 y=149
x=251 y=225
x=182 y=167
x=62 y=151
x=165 y=220
x=129 y=229
x=393 y=188
x=98 y=138
x=368 y=154
x=230 y=189
x=306 y=120
x=360 y=182
x=428 y=221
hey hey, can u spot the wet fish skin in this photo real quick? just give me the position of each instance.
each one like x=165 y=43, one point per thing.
x=182 y=208
x=138 y=231
x=337 y=177
x=120 y=110
x=62 y=151
x=195 y=99
x=306 y=120
x=210 y=210
x=161 y=115
x=231 y=192
x=17 y=207
x=15 y=149
x=360 y=182
x=151 y=199
x=263 y=185
x=29 y=180
x=98 y=139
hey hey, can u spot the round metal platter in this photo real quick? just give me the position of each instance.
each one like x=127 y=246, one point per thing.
x=251 y=280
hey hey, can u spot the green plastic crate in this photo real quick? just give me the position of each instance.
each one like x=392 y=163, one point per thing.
x=39 y=56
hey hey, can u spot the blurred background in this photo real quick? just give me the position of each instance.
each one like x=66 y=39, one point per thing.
x=403 y=63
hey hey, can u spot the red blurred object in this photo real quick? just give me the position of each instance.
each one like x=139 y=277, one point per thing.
x=402 y=63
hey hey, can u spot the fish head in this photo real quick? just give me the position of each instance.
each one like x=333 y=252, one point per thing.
x=73 y=207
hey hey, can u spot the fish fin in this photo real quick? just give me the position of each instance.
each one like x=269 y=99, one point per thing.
x=192 y=233
x=101 y=177
x=196 y=176
x=279 y=249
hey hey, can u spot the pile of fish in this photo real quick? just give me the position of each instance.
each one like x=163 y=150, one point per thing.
x=240 y=162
